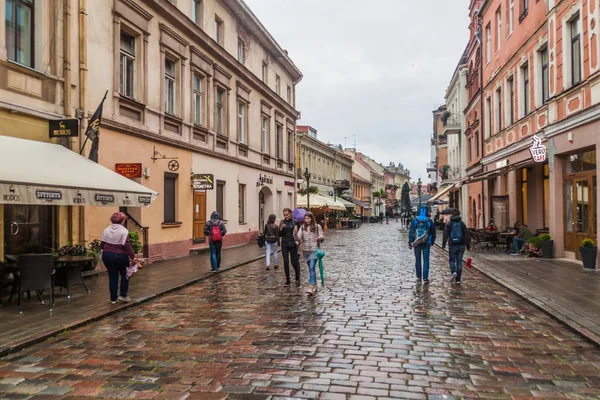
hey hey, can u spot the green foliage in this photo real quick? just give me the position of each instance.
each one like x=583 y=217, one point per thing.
x=588 y=243
x=545 y=237
x=134 y=238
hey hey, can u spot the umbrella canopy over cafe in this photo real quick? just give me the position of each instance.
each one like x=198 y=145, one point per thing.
x=318 y=201
x=38 y=173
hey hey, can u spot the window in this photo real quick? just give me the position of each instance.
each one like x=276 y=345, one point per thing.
x=290 y=200
x=545 y=75
x=511 y=16
x=220 y=110
x=498 y=109
x=575 y=50
x=265 y=135
x=498 y=28
x=469 y=150
x=169 y=197
x=546 y=196
x=290 y=147
x=488 y=117
x=289 y=94
x=277 y=83
x=197 y=100
x=525 y=87
x=20 y=31
x=127 y=65
x=241 y=203
x=241 y=46
x=510 y=85
x=219 y=31
x=488 y=43
x=241 y=122
x=264 y=72
x=476 y=144
x=170 y=86
x=197 y=12
x=221 y=199
x=524 y=6
x=279 y=142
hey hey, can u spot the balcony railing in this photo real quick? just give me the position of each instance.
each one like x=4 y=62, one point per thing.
x=451 y=124
x=451 y=174
x=442 y=140
x=342 y=184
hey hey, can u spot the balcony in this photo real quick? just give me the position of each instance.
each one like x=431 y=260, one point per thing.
x=431 y=167
x=341 y=184
x=442 y=140
x=452 y=124
x=450 y=174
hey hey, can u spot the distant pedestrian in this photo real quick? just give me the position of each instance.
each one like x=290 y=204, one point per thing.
x=308 y=238
x=457 y=236
x=117 y=255
x=387 y=218
x=215 y=231
x=381 y=217
x=420 y=238
x=289 y=249
x=271 y=234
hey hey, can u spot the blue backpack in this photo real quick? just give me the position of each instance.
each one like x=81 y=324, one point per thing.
x=422 y=232
x=456 y=234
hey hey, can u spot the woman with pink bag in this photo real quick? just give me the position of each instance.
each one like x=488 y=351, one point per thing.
x=117 y=255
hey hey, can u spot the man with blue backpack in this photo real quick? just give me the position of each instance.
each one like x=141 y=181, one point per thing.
x=457 y=236
x=420 y=238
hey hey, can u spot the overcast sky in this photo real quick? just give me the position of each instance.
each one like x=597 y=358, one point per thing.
x=372 y=69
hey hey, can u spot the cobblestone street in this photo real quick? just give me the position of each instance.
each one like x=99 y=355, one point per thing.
x=372 y=333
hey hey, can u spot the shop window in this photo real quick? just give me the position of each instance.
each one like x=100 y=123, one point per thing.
x=169 y=197
x=546 y=196
x=221 y=198
x=242 y=203
x=524 y=203
x=581 y=162
x=20 y=31
x=569 y=223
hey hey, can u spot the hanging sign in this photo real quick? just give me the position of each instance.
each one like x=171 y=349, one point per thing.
x=129 y=170
x=538 y=150
x=203 y=181
x=63 y=128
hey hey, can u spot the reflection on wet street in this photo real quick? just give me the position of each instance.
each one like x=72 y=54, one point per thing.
x=371 y=333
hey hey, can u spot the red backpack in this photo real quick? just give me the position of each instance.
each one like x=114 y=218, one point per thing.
x=215 y=233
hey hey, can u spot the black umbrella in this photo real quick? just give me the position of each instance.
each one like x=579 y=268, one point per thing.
x=447 y=211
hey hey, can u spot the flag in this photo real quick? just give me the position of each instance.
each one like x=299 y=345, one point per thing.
x=93 y=131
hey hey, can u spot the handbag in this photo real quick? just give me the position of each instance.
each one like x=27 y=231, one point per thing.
x=260 y=240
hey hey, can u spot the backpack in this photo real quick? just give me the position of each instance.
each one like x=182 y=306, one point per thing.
x=422 y=232
x=215 y=233
x=456 y=233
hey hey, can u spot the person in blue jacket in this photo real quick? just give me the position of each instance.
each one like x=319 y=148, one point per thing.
x=420 y=238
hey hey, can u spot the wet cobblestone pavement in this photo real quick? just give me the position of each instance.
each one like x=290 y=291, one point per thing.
x=372 y=333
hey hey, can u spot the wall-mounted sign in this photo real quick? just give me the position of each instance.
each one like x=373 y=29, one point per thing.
x=289 y=183
x=501 y=164
x=203 y=181
x=63 y=128
x=538 y=150
x=129 y=170
x=104 y=198
x=48 y=195
x=264 y=180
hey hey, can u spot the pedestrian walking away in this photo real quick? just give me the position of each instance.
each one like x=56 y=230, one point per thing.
x=289 y=249
x=309 y=238
x=215 y=231
x=456 y=235
x=421 y=237
x=117 y=255
x=271 y=234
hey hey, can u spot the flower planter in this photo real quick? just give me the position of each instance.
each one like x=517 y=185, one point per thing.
x=588 y=256
x=547 y=248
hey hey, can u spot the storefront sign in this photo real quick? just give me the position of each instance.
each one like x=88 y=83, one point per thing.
x=289 y=183
x=104 y=198
x=264 y=180
x=11 y=196
x=146 y=200
x=79 y=199
x=129 y=170
x=48 y=195
x=501 y=164
x=203 y=181
x=64 y=128
x=538 y=150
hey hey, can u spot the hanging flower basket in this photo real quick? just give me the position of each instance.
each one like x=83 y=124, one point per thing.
x=309 y=190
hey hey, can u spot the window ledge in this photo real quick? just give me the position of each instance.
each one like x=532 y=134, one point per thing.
x=243 y=223
x=175 y=224
x=244 y=145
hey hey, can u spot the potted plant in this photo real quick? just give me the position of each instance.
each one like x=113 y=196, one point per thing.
x=134 y=239
x=547 y=245
x=588 y=252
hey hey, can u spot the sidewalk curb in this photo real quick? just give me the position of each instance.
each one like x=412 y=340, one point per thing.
x=552 y=313
x=13 y=348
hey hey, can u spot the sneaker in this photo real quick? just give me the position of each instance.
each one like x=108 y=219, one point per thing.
x=458 y=282
x=124 y=298
x=267 y=268
x=453 y=277
x=276 y=267
x=213 y=270
x=515 y=254
x=426 y=281
x=113 y=302
x=287 y=284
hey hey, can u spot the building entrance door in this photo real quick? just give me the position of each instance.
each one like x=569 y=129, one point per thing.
x=28 y=229
x=581 y=211
x=199 y=216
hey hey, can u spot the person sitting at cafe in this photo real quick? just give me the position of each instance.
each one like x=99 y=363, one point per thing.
x=491 y=226
x=522 y=234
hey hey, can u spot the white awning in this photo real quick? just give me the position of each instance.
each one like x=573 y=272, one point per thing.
x=440 y=194
x=319 y=201
x=34 y=172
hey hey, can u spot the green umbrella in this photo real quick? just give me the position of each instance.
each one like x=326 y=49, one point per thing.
x=320 y=255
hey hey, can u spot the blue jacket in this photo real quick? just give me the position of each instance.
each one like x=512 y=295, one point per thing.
x=412 y=235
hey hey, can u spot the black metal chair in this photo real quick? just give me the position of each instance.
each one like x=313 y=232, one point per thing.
x=7 y=279
x=36 y=273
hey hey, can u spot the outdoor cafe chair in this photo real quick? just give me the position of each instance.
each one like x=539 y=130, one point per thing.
x=7 y=279
x=36 y=273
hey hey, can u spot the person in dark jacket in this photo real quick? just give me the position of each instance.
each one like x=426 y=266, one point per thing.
x=271 y=234
x=289 y=249
x=117 y=255
x=420 y=238
x=457 y=236
x=215 y=243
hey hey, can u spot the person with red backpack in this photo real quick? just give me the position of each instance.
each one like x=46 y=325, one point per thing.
x=215 y=231
x=457 y=236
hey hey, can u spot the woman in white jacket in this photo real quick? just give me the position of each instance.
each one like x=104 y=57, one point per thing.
x=308 y=238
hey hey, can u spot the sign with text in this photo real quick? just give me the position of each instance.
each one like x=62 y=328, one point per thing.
x=129 y=170
x=63 y=128
x=203 y=181
x=538 y=150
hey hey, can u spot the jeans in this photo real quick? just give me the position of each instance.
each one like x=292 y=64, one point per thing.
x=517 y=244
x=422 y=251
x=312 y=274
x=290 y=251
x=271 y=247
x=215 y=255
x=456 y=255
x=116 y=264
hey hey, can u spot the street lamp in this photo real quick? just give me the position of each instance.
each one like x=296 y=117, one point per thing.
x=307 y=177
x=419 y=184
